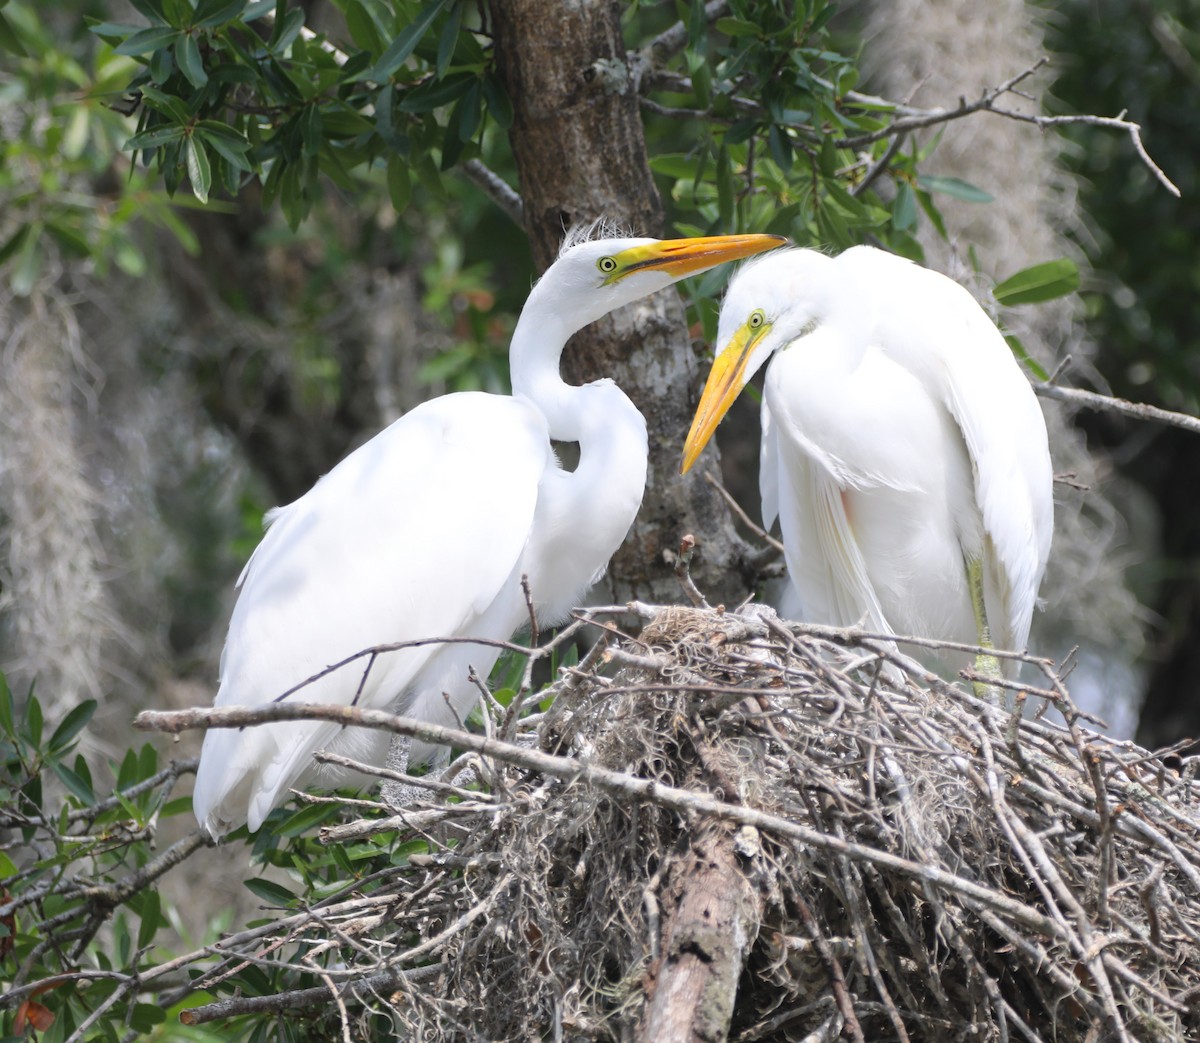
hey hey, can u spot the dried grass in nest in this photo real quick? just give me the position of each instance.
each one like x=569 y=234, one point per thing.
x=912 y=862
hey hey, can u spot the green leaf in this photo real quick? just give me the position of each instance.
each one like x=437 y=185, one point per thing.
x=781 y=147
x=676 y=165
x=469 y=112
x=147 y=761
x=151 y=914
x=129 y=258
x=80 y=788
x=178 y=806
x=904 y=211
x=212 y=13
x=162 y=65
x=1041 y=282
x=737 y=27
x=303 y=820
x=433 y=95
x=448 y=39
x=725 y=188
x=399 y=184
x=269 y=891
x=697 y=25
x=498 y=102
x=146 y=40
x=72 y=725
x=114 y=30
x=953 y=186
x=933 y=213
x=198 y=168
x=310 y=130
x=152 y=139
x=286 y=30
x=362 y=27
x=9 y=40
x=740 y=131
x=187 y=57
x=28 y=260
x=225 y=141
x=6 y=708
x=34 y=721
x=145 y=1016
x=1027 y=360
x=12 y=245
x=168 y=104
x=404 y=44
x=152 y=9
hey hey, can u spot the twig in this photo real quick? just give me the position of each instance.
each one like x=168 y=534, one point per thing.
x=742 y=516
x=299 y=999
x=880 y=165
x=683 y=572
x=1109 y=403
x=499 y=190
x=617 y=783
x=909 y=118
x=671 y=41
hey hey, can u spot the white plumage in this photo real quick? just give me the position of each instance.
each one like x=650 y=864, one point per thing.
x=426 y=530
x=903 y=449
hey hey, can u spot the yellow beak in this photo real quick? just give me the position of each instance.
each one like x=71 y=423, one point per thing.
x=680 y=257
x=725 y=381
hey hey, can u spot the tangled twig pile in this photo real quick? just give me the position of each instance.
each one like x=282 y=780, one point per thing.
x=753 y=830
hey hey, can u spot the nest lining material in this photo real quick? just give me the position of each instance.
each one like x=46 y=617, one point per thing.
x=910 y=861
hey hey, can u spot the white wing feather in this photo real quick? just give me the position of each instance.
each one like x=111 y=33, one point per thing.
x=768 y=467
x=444 y=501
x=973 y=370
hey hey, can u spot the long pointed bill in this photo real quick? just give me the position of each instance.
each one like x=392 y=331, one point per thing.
x=680 y=257
x=725 y=381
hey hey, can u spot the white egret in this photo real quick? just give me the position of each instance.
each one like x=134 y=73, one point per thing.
x=426 y=530
x=903 y=450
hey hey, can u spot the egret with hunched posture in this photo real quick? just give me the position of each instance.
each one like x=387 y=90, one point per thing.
x=903 y=450
x=426 y=530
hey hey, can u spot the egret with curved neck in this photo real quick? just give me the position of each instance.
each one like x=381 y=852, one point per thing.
x=426 y=531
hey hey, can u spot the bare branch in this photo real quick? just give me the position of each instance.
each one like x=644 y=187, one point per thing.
x=501 y=193
x=617 y=783
x=1108 y=403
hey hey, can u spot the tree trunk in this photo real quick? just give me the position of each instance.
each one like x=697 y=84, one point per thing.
x=711 y=925
x=581 y=155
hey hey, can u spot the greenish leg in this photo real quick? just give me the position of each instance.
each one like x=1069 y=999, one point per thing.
x=988 y=665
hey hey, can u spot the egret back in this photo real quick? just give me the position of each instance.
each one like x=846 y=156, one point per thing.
x=425 y=553
x=903 y=442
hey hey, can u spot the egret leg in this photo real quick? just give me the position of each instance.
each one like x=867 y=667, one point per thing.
x=988 y=665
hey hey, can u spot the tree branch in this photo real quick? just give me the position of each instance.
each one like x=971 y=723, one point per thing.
x=1138 y=410
x=622 y=785
x=499 y=190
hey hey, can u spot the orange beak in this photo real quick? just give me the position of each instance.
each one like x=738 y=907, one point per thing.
x=725 y=381
x=680 y=257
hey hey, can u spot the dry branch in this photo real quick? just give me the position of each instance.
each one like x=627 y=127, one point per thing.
x=922 y=861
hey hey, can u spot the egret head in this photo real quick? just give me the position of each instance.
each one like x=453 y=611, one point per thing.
x=770 y=303
x=595 y=276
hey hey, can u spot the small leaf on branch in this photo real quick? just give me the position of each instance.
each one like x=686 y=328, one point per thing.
x=954 y=186
x=146 y=40
x=1041 y=282
x=198 y=168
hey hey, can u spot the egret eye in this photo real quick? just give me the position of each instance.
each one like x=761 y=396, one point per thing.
x=757 y=319
x=607 y=265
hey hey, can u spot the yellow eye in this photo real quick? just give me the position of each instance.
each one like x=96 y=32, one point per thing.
x=607 y=265
x=757 y=319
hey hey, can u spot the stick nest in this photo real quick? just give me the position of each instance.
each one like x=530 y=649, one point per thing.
x=925 y=865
